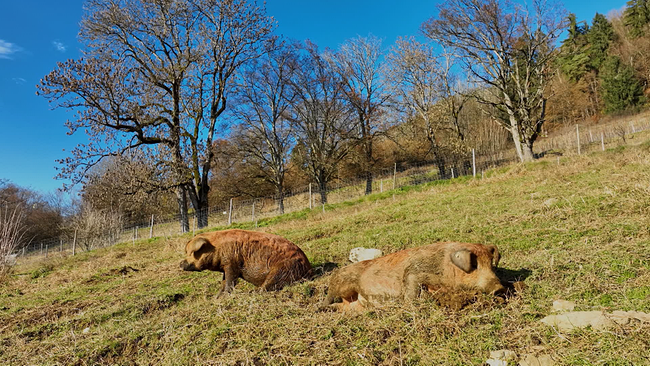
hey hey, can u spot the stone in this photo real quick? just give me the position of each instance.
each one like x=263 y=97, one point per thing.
x=563 y=305
x=493 y=362
x=532 y=360
x=578 y=319
x=363 y=254
x=503 y=354
x=596 y=319
x=501 y=357
x=624 y=317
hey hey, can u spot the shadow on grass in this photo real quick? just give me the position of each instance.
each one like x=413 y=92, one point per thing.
x=323 y=269
x=510 y=275
x=513 y=280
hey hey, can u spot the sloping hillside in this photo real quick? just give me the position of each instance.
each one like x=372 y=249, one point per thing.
x=577 y=231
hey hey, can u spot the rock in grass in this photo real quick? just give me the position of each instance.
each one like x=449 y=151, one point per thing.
x=563 y=305
x=363 y=254
x=578 y=319
x=501 y=357
x=532 y=360
x=597 y=320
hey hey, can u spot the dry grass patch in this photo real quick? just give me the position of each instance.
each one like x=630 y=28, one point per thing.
x=577 y=231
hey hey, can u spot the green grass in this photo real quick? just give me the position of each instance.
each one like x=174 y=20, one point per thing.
x=578 y=231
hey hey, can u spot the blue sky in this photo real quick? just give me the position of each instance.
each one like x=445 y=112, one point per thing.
x=35 y=35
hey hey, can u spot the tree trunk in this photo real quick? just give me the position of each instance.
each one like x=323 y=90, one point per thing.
x=367 y=147
x=281 y=199
x=516 y=138
x=527 y=151
x=368 y=182
x=202 y=214
x=322 y=185
x=200 y=203
x=181 y=197
x=440 y=162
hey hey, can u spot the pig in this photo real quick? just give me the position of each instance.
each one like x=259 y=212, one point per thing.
x=265 y=260
x=402 y=275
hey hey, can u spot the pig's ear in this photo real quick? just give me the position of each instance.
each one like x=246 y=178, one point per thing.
x=495 y=255
x=462 y=259
x=197 y=244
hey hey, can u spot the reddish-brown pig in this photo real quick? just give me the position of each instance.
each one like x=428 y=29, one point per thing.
x=403 y=274
x=265 y=260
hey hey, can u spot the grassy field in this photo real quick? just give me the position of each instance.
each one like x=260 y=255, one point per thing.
x=577 y=231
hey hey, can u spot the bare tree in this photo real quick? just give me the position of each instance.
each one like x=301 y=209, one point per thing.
x=131 y=185
x=265 y=95
x=417 y=87
x=12 y=232
x=360 y=65
x=509 y=50
x=156 y=73
x=96 y=228
x=322 y=118
x=41 y=216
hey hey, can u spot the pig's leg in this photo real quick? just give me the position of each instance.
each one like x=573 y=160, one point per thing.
x=411 y=286
x=279 y=276
x=230 y=276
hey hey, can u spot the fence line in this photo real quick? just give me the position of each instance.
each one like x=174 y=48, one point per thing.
x=579 y=141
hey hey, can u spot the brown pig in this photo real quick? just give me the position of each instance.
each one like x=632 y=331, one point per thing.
x=403 y=274
x=265 y=260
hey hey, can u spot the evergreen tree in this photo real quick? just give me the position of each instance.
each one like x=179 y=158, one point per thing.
x=599 y=36
x=577 y=31
x=636 y=16
x=573 y=59
x=621 y=89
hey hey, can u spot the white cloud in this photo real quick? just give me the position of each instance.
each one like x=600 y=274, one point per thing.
x=59 y=46
x=7 y=49
x=19 y=81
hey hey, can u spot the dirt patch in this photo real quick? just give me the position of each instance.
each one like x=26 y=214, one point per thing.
x=165 y=302
x=40 y=322
x=455 y=299
x=123 y=271
x=120 y=271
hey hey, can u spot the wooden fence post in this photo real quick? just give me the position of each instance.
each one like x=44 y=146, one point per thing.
x=394 y=175
x=473 y=163
x=74 y=243
x=151 y=228
x=253 y=215
x=452 y=173
x=602 y=140
x=578 y=138
x=230 y=213
x=310 y=198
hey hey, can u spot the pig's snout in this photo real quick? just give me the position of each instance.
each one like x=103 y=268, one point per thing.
x=185 y=266
x=491 y=285
x=499 y=289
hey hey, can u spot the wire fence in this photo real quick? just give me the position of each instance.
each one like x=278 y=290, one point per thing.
x=579 y=141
